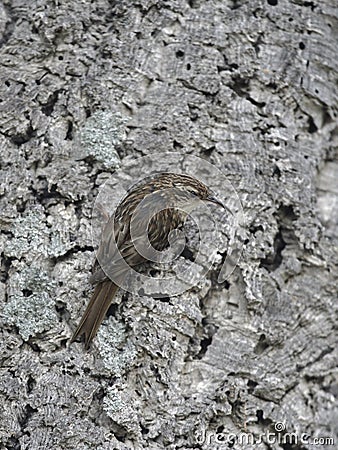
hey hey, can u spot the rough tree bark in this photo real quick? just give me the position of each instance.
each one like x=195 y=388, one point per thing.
x=250 y=87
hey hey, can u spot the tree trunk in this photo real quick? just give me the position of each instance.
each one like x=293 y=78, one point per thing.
x=247 y=89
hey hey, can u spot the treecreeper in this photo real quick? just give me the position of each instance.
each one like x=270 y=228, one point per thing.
x=144 y=219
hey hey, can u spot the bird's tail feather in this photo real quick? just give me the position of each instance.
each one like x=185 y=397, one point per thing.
x=95 y=311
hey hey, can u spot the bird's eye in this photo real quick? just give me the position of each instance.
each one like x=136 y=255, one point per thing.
x=191 y=191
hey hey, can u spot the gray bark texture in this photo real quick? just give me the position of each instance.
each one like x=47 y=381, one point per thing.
x=249 y=87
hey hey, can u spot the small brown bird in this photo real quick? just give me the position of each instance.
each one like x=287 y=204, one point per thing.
x=155 y=208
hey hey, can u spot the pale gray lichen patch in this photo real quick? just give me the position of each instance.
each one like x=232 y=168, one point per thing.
x=30 y=306
x=29 y=235
x=99 y=136
x=122 y=408
x=35 y=235
x=116 y=350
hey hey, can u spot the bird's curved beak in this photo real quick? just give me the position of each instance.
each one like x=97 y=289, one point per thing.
x=216 y=201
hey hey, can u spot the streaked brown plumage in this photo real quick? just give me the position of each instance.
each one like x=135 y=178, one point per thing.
x=164 y=193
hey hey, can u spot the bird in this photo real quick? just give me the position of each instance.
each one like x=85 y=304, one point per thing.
x=139 y=228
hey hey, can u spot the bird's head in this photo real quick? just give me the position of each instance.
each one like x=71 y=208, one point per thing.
x=187 y=192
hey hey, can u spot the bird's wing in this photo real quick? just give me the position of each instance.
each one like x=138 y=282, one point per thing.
x=123 y=235
x=107 y=257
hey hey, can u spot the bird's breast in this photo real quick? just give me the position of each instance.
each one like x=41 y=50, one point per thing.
x=160 y=226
